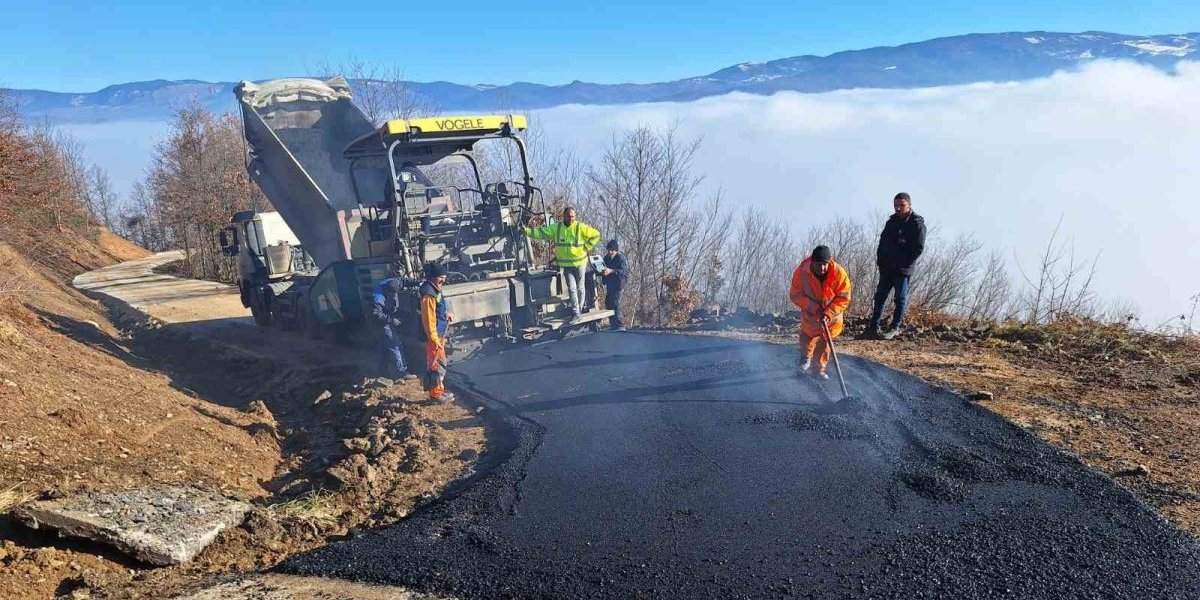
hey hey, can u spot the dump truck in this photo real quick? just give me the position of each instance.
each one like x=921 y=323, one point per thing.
x=269 y=258
x=362 y=205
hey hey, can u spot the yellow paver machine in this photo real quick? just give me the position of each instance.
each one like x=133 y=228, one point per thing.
x=368 y=203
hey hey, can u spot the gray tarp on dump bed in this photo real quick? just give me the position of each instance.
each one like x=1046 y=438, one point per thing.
x=297 y=130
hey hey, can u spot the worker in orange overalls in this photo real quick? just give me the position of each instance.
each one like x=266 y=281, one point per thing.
x=435 y=320
x=821 y=288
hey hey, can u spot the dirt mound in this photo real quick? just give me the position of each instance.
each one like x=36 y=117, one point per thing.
x=357 y=454
x=88 y=407
x=119 y=247
x=78 y=416
x=40 y=278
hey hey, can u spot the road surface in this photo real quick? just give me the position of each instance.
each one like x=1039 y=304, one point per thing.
x=670 y=466
x=208 y=310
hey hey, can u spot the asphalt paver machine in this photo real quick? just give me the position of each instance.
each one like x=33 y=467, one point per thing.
x=364 y=205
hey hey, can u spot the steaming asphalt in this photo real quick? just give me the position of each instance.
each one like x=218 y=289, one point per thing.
x=671 y=466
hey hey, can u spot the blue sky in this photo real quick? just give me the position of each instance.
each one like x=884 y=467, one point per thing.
x=82 y=46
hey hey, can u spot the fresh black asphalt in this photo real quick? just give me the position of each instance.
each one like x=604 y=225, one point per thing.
x=669 y=466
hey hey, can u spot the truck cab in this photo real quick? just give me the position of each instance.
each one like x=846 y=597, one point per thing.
x=268 y=257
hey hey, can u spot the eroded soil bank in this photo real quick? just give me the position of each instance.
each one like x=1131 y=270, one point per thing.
x=300 y=429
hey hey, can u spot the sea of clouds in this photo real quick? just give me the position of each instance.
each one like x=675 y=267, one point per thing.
x=1113 y=150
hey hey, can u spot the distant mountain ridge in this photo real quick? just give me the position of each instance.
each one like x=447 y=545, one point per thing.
x=942 y=61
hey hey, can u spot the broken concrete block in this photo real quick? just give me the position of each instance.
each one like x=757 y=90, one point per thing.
x=161 y=525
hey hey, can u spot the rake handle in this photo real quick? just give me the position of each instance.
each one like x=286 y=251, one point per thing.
x=836 y=364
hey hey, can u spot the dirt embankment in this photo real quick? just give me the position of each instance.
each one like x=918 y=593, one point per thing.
x=320 y=452
x=1125 y=402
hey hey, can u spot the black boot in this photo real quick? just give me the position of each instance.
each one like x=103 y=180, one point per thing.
x=870 y=333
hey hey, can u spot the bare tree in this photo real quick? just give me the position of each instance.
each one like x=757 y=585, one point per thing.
x=946 y=276
x=380 y=91
x=644 y=191
x=196 y=181
x=993 y=293
x=1191 y=320
x=1062 y=284
x=142 y=221
x=761 y=258
x=627 y=185
x=678 y=187
x=102 y=198
x=701 y=247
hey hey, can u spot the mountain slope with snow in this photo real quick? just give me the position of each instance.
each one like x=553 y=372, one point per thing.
x=943 y=61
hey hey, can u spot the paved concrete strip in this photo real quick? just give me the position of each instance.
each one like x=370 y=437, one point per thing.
x=205 y=310
x=164 y=298
x=288 y=587
x=161 y=525
x=670 y=466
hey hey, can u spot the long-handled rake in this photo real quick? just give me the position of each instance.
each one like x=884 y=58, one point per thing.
x=836 y=365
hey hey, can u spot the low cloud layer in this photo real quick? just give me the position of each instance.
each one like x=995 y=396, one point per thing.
x=122 y=148
x=1112 y=150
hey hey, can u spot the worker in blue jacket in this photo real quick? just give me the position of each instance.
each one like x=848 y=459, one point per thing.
x=385 y=309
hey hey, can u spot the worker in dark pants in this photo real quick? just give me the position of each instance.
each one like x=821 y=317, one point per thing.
x=385 y=308
x=900 y=245
x=615 y=273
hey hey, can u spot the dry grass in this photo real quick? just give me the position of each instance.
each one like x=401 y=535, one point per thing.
x=12 y=497
x=318 y=508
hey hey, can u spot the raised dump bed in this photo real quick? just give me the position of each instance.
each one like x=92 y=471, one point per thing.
x=296 y=131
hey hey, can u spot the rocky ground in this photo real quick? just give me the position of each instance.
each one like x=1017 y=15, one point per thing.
x=1124 y=401
x=322 y=452
x=319 y=452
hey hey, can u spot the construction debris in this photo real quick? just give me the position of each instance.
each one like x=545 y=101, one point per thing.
x=160 y=525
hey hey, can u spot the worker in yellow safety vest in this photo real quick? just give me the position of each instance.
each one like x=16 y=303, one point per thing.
x=572 y=240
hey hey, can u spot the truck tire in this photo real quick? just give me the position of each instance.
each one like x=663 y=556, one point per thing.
x=309 y=324
x=261 y=315
x=260 y=307
x=336 y=334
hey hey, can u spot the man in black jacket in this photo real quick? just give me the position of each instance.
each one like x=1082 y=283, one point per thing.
x=900 y=245
x=615 y=273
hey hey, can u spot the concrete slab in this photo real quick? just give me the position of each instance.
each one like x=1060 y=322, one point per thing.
x=160 y=525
